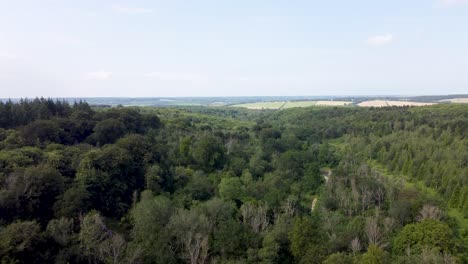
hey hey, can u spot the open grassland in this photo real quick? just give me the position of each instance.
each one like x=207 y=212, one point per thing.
x=384 y=103
x=291 y=104
x=456 y=100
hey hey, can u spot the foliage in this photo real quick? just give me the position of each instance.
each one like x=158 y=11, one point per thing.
x=430 y=234
x=374 y=255
x=19 y=240
x=308 y=240
x=226 y=185
x=339 y=258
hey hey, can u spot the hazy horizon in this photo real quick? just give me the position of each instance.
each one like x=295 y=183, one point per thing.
x=241 y=96
x=136 y=49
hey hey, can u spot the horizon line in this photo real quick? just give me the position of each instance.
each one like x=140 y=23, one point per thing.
x=228 y=96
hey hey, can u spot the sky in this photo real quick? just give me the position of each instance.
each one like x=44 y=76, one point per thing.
x=142 y=48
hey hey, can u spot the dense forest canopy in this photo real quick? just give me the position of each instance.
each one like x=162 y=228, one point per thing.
x=226 y=185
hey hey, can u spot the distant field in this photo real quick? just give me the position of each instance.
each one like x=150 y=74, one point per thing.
x=292 y=104
x=369 y=103
x=333 y=103
x=456 y=100
x=299 y=104
x=262 y=105
x=383 y=103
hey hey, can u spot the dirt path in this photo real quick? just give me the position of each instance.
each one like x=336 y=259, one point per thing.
x=326 y=173
x=314 y=202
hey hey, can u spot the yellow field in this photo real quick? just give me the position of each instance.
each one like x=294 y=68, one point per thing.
x=456 y=100
x=384 y=103
x=292 y=104
x=333 y=103
x=262 y=105
x=299 y=104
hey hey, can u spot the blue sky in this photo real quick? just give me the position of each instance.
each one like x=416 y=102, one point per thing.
x=66 y=48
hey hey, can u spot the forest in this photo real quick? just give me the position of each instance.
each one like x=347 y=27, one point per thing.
x=80 y=184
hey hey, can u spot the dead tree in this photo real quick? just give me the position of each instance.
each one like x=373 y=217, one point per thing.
x=355 y=245
x=255 y=216
x=374 y=233
x=430 y=212
x=192 y=230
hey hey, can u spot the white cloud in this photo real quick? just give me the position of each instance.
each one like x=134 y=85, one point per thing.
x=380 y=40
x=100 y=75
x=449 y=3
x=132 y=10
x=173 y=76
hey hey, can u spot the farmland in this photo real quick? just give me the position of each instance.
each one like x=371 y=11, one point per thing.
x=262 y=105
x=333 y=103
x=294 y=104
x=291 y=104
x=384 y=103
x=456 y=100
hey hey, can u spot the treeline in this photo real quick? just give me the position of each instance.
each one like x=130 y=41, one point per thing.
x=48 y=121
x=192 y=185
x=14 y=114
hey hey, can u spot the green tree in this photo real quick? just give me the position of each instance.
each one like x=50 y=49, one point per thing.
x=19 y=242
x=107 y=175
x=149 y=219
x=61 y=230
x=276 y=244
x=108 y=131
x=339 y=258
x=237 y=165
x=199 y=187
x=312 y=178
x=231 y=238
x=73 y=202
x=309 y=242
x=41 y=131
x=209 y=152
x=33 y=192
x=218 y=210
x=231 y=188
x=374 y=255
x=429 y=233
x=153 y=179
